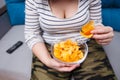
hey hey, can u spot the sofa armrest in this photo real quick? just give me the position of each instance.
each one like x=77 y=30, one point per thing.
x=4 y=24
x=113 y=52
x=18 y=64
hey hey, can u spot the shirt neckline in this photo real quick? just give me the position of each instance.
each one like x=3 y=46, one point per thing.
x=63 y=18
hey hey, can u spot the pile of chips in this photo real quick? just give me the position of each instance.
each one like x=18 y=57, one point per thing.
x=67 y=51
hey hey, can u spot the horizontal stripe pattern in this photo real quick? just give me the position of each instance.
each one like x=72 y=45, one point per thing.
x=42 y=25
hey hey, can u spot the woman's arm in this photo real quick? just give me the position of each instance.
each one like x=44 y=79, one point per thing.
x=32 y=27
x=33 y=32
x=102 y=34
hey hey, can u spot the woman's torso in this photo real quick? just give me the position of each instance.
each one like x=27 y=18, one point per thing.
x=55 y=28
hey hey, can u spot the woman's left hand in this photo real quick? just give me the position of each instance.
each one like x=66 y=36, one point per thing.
x=103 y=35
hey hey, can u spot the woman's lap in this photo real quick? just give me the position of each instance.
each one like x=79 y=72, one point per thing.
x=95 y=67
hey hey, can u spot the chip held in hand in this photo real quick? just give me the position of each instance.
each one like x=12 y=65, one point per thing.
x=86 y=29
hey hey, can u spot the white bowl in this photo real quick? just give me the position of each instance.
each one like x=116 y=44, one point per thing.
x=83 y=47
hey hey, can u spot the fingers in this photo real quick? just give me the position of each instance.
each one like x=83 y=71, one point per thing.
x=62 y=67
x=101 y=30
x=55 y=63
x=104 y=42
x=103 y=35
x=68 y=68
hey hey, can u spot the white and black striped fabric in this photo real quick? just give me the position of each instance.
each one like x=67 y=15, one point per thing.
x=41 y=25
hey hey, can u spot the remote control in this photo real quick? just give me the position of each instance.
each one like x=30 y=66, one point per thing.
x=14 y=47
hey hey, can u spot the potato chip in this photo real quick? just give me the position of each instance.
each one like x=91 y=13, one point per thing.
x=86 y=29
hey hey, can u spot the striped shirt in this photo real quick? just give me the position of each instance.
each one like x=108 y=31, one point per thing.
x=42 y=26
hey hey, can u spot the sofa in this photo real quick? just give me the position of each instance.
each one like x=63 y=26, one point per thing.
x=111 y=17
x=21 y=59
x=15 y=65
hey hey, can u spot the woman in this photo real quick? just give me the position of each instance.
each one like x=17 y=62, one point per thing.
x=50 y=20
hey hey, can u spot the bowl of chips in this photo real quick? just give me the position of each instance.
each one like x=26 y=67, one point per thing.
x=69 y=51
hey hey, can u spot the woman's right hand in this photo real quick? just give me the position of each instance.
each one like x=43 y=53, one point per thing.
x=62 y=67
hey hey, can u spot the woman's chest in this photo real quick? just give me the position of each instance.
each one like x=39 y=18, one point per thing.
x=49 y=20
x=63 y=8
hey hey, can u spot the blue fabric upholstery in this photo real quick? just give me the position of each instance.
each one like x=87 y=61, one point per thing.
x=14 y=1
x=106 y=3
x=111 y=17
x=111 y=3
x=117 y=3
x=111 y=13
x=16 y=11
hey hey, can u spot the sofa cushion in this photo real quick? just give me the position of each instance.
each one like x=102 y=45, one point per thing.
x=14 y=1
x=106 y=3
x=111 y=3
x=111 y=17
x=117 y=3
x=113 y=52
x=16 y=13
